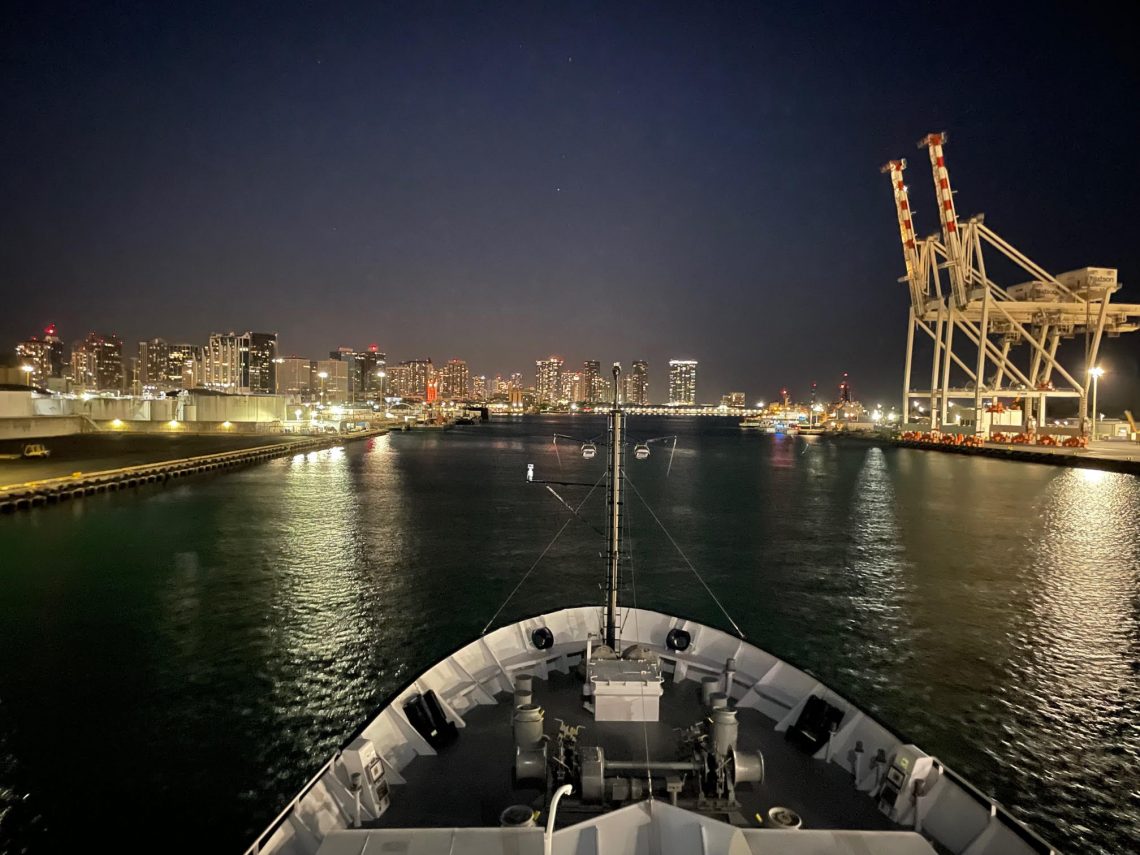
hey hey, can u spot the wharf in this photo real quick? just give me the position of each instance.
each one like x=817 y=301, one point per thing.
x=1109 y=456
x=45 y=482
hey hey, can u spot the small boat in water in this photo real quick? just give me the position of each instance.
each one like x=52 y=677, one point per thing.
x=611 y=728
x=760 y=423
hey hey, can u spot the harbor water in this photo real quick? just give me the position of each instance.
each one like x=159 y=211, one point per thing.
x=177 y=661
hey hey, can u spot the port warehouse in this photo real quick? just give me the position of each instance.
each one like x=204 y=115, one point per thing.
x=26 y=414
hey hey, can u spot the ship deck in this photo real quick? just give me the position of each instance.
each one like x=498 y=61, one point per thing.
x=469 y=783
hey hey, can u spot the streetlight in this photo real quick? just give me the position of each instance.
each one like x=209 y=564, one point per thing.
x=1095 y=373
x=27 y=369
x=324 y=375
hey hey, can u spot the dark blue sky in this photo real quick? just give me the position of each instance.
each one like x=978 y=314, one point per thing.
x=604 y=181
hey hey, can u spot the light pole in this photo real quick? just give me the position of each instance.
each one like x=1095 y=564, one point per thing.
x=324 y=375
x=1095 y=373
x=27 y=369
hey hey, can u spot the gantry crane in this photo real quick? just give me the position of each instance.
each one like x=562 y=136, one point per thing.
x=995 y=320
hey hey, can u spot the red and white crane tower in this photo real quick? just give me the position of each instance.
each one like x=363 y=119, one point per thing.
x=996 y=321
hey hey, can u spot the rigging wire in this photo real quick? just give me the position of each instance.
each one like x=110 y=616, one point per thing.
x=681 y=552
x=526 y=575
x=637 y=630
x=574 y=511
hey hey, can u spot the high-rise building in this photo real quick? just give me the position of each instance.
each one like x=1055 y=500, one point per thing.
x=573 y=386
x=152 y=358
x=35 y=355
x=593 y=386
x=352 y=369
x=548 y=384
x=262 y=363
x=163 y=367
x=184 y=365
x=422 y=371
x=733 y=399
x=43 y=355
x=97 y=363
x=332 y=388
x=401 y=382
x=295 y=377
x=365 y=382
x=638 y=388
x=242 y=363
x=454 y=380
x=682 y=382
x=481 y=387
x=373 y=372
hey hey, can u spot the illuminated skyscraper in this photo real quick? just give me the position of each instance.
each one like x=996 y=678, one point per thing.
x=295 y=378
x=242 y=363
x=548 y=384
x=638 y=382
x=401 y=382
x=373 y=372
x=421 y=372
x=454 y=380
x=481 y=387
x=573 y=387
x=97 y=363
x=682 y=382
x=44 y=355
x=333 y=387
x=185 y=361
x=593 y=385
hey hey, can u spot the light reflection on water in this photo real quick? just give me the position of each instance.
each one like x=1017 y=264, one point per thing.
x=238 y=627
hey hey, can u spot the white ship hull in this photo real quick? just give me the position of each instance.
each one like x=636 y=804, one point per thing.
x=836 y=789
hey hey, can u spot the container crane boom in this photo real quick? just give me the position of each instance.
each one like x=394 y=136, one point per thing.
x=948 y=217
x=906 y=232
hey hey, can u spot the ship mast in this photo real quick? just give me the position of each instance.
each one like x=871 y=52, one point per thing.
x=617 y=442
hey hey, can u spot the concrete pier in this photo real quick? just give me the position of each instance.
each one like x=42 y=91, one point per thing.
x=1111 y=457
x=52 y=490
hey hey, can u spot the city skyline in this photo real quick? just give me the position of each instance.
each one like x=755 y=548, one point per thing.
x=634 y=377
x=695 y=181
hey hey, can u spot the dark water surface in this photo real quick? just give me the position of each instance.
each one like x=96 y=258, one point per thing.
x=175 y=663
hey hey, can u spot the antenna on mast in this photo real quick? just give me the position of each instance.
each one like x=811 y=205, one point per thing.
x=615 y=466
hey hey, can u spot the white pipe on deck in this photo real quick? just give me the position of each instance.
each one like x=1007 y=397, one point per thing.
x=548 y=837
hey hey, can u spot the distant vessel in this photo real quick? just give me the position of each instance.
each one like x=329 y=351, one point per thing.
x=761 y=423
x=629 y=730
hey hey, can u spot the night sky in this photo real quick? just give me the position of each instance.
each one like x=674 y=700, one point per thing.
x=602 y=181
